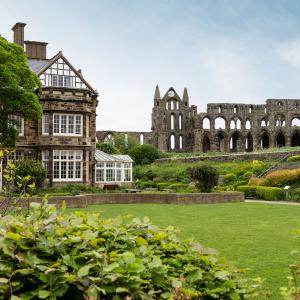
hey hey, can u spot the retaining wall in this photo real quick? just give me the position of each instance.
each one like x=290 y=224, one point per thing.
x=124 y=198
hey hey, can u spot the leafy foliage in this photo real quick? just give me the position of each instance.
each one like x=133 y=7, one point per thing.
x=53 y=255
x=293 y=158
x=205 y=176
x=278 y=178
x=17 y=97
x=107 y=148
x=32 y=168
x=262 y=192
x=144 y=154
x=123 y=144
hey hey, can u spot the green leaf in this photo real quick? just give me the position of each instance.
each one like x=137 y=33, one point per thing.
x=176 y=283
x=3 y=280
x=83 y=271
x=15 y=298
x=13 y=236
x=43 y=294
x=194 y=276
x=121 y=290
x=92 y=292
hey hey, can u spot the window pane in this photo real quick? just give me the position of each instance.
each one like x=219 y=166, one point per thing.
x=71 y=124
x=63 y=124
x=78 y=125
x=56 y=124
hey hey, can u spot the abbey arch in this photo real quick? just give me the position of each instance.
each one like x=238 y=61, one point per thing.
x=223 y=127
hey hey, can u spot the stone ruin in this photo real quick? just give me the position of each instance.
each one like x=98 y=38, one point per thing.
x=224 y=127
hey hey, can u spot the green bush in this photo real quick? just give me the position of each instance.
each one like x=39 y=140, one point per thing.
x=247 y=175
x=49 y=254
x=107 y=148
x=178 y=186
x=146 y=184
x=270 y=193
x=248 y=190
x=144 y=154
x=293 y=158
x=163 y=185
x=205 y=177
x=33 y=168
x=229 y=178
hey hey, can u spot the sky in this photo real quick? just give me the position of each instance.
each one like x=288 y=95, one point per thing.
x=238 y=51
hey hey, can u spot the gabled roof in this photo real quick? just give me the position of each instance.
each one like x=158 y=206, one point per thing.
x=176 y=96
x=40 y=66
x=101 y=156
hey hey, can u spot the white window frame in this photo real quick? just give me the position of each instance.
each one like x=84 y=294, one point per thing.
x=117 y=168
x=67 y=116
x=77 y=158
x=46 y=124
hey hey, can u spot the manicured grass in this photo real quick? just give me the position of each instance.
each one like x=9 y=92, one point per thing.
x=250 y=235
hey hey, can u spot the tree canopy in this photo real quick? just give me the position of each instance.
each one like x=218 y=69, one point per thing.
x=17 y=91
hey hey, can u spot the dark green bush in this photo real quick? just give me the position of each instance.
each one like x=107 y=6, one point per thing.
x=178 y=186
x=270 y=193
x=144 y=154
x=163 y=185
x=33 y=168
x=248 y=190
x=49 y=254
x=205 y=177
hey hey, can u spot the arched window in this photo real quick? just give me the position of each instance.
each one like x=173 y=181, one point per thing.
x=231 y=143
x=248 y=124
x=167 y=104
x=264 y=123
x=235 y=109
x=109 y=139
x=220 y=123
x=180 y=122
x=172 y=122
x=265 y=109
x=141 y=139
x=250 y=109
x=219 y=109
x=180 y=142
x=296 y=121
x=232 y=124
x=177 y=105
x=280 y=120
x=172 y=142
x=238 y=124
x=172 y=105
x=206 y=123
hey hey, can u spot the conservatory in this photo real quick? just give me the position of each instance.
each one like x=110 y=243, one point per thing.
x=112 y=169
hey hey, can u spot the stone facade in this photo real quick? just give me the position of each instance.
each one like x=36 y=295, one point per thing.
x=64 y=139
x=224 y=127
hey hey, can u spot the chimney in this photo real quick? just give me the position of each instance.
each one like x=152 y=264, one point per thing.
x=36 y=50
x=18 y=30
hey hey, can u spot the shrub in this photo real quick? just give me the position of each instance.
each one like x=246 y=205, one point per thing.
x=270 y=193
x=163 y=185
x=293 y=158
x=257 y=166
x=107 y=148
x=248 y=190
x=33 y=168
x=278 y=178
x=144 y=154
x=229 y=178
x=205 y=176
x=54 y=255
x=247 y=175
x=178 y=186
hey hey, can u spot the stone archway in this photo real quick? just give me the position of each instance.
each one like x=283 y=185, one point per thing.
x=234 y=143
x=295 y=141
x=249 y=142
x=280 y=139
x=220 y=142
x=264 y=140
x=206 y=143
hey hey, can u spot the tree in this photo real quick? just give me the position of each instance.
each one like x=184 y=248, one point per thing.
x=17 y=91
x=123 y=144
x=205 y=176
x=107 y=148
x=144 y=154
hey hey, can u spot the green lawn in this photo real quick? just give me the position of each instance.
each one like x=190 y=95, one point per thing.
x=250 y=235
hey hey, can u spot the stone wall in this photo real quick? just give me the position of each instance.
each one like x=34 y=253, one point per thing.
x=124 y=198
x=233 y=157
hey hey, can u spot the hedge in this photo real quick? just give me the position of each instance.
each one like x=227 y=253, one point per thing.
x=262 y=192
x=49 y=254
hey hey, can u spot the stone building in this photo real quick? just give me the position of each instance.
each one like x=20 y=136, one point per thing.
x=224 y=127
x=64 y=139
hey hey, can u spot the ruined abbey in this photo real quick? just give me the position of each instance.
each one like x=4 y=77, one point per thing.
x=224 y=127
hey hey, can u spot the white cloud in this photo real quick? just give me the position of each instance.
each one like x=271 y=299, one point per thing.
x=290 y=52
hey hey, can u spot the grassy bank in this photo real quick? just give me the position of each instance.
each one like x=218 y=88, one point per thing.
x=256 y=236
